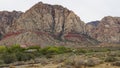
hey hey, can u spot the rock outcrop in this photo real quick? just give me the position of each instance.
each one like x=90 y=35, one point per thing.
x=108 y=30
x=6 y=20
x=50 y=18
x=90 y=27
x=45 y=24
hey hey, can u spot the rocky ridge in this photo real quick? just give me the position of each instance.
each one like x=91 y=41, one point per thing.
x=6 y=20
x=45 y=24
x=108 y=30
x=90 y=27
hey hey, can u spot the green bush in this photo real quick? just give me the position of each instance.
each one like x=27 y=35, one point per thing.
x=21 y=56
x=15 y=48
x=54 y=50
x=93 y=62
x=82 y=51
x=70 y=62
x=17 y=53
x=63 y=49
x=9 y=58
x=24 y=56
x=44 y=50
x=29 y=56
x=2 y=49
x=110 y=59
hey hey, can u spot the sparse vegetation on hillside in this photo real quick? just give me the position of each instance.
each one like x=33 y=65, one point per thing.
x=16 y=53
x=69 y=57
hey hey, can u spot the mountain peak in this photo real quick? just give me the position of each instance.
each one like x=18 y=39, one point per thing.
x=45 y=23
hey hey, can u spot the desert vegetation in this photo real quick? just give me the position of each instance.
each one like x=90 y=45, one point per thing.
x=59 y=57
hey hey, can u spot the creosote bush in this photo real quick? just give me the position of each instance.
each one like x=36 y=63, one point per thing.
x=110 y=59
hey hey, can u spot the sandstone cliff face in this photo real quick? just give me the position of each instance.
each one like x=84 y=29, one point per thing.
x=108 y=30
x=90 y=27
x=6 y=20
x=47 y=18
x=45 y=24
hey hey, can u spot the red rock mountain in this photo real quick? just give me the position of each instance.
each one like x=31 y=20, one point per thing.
x=45 y=24
x=108 y=30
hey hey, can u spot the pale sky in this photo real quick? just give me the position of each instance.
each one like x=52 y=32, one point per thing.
x=87 y=10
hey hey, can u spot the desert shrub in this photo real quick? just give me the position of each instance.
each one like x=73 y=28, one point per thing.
x=2 y=49
x=110 y=59
x=113 y=54
x=22 y=56
x=59 y=58
x=15 y=48
x=49 y=56
x=79 y=63
x=37 y=54
x=92 y=62
x=54 y=50
x=63 y=49
x=70 y=61
x=117 y=63
x=30 y=56
x=82 y=51
x=25 y=56
x=18 y=56
x=44 y=50
x=9 y=58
